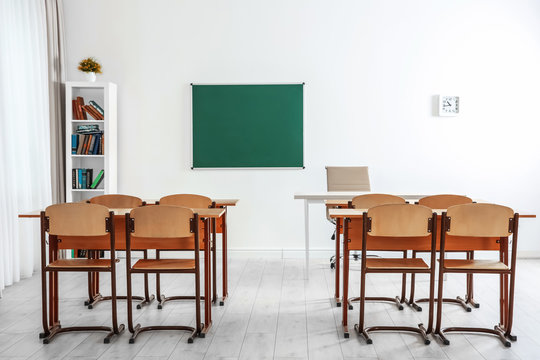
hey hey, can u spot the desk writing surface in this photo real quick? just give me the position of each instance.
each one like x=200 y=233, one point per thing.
x=203 y=212
x=355 y=213
x=342 y=195
x=219 y=202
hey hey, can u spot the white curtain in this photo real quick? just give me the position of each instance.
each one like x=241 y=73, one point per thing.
x=25 y=175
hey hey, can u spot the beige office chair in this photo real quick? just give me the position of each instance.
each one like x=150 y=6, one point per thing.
x=345 y=178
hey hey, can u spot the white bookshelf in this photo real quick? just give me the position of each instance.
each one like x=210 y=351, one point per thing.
x=104 y=94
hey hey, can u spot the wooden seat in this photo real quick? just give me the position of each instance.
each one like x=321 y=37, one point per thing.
x=172 y=225
x=482 y=221
x=81 y=264
x=116 y=201
x=192 y=201
x=165 y=264
x=396 y=264
x=409 y=227
x=444 y=201
x=474 y=264
x=64 y=222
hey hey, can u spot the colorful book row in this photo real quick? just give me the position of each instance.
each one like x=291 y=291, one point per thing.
x=83 y=179
x=87 y=144
x=81 y=111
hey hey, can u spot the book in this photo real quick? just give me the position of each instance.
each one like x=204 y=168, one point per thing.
x=102 y=148
x=97 y=180
x=80 y=144
x=93 y=112
x=83 y=179
x=92 y=143
x=79 y=178
x=74 y=110
x=87 y=128
x=74 y=140
x=80 y=102
x=84 y=140
x=95 y=150
x=89 y=178
x=73 y=178
x=96 y=112
x=98 y=108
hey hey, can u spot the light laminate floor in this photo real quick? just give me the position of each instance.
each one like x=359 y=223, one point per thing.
x=272 y=313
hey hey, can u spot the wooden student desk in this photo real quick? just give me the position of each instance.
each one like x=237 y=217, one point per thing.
x=320 y=198
x=67 y=242
x=219 y=226
x=458 y=244
x=216 y=223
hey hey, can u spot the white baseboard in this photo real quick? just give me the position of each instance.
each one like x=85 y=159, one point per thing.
x=323 y=253
x=300 y=254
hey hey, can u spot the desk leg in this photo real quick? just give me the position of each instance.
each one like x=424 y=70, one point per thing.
x=214 y=263
x=345 y=302
x=207 y=280
x=224 y=258
x=306 y=234
x=337 y=270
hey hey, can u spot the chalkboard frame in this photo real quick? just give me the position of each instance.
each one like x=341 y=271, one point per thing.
x=192 y=137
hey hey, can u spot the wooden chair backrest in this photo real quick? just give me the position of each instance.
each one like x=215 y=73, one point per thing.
x=186 y=200
x=162 y=221
x=370 y=200
x=117 y=201
x=444 y=201
x=400 y=220
x=347 y=178
x=479 y=220
x=77 y=219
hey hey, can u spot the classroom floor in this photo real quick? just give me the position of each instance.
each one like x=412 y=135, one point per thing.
x=272 y=313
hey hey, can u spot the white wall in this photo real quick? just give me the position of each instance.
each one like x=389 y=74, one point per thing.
x=372 y=69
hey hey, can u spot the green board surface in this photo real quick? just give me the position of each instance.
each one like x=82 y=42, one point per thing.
x=248 y=126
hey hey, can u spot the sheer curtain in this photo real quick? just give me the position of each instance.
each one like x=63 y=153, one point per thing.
x=25 y=175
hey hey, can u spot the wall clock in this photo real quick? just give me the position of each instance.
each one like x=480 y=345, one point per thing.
x=448 y=105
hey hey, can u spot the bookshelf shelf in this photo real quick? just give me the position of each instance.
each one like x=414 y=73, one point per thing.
x=83 y=168
x=87 y=190
x=87 y=121
x=87 y=156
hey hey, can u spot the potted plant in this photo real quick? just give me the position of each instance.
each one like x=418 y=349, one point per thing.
x=90 y=67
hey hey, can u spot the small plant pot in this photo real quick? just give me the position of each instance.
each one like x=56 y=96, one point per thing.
x=90 y=76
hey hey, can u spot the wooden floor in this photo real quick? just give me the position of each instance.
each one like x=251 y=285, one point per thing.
x=272 y=313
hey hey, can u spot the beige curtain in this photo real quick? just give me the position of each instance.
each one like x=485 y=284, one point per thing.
x=57 y=78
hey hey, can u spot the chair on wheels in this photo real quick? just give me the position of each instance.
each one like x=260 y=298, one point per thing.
x=345 y=178
x=444 y=202
x=189 y=201
x=163 y=228
x=397 y=227
x=488 y=224
x=64 y=222
x=116 y=201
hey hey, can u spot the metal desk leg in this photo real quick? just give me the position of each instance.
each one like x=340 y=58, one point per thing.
x=306 y=230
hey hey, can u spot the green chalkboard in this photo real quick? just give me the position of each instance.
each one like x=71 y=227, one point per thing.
x=248 y=126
